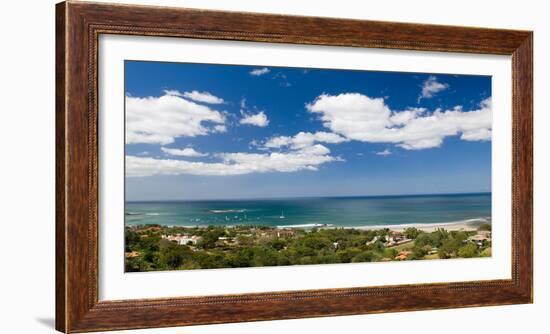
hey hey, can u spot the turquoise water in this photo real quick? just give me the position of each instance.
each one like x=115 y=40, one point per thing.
x=307 y=212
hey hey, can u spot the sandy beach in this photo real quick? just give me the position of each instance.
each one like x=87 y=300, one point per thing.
x=465 y=225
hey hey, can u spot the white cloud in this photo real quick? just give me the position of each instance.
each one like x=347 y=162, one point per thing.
x=259 y=119
x=220 y=128
x=204 y=97
x=254 y=118
x=405 y=116
x=431 y=87
x=304 y=139
x=359 y=117
x=475 y=135
x=173 y=92
x=186 y=152
x=259 y=71
x=159 y=120
x=384 y=153
x=421 y=144
x=307 y=158
x=282 y=79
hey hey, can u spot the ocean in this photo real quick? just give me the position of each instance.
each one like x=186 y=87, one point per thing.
x=310 y=212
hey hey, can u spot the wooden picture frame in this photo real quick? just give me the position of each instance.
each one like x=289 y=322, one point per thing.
x=78 y=27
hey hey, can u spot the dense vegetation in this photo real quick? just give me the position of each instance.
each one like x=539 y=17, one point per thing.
x=148 y=248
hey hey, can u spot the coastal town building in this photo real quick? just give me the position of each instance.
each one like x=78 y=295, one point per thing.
x=225 y=241
x=183 y=239
x=480 y=238
x=403 y=255
x=395 y=238
x=285 y=233
x=131 y=255
x=375 y=239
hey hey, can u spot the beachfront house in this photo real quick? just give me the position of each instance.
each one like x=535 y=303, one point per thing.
x=225 y=241
x=187 y=240
x=285 y=233
x=396 y=238
x=375 y=239
x=183 y=239
x=479 y=239
x=403 y=255
x=131 y=255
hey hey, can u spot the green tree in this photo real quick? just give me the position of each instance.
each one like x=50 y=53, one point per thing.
x=264 y=256
x=136 y=264
x=423 y=239
x=277 y=243
x=419 y=253
x=347 y=254
x=210 y=237
x=411 y=232
x=439 y=237
x=484 y=227
x=131 y=239
x=486 y=252
x=150 y=243
x=315 y=241
x=244 y=240
x=449 y=248
x=149 y=256
x=212 y=261
x=172 y=257
x=390 y=253
x=468 y=250
x=366 y=256
x=241 y=258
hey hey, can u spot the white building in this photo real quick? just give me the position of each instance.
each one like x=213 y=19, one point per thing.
x=183 y=239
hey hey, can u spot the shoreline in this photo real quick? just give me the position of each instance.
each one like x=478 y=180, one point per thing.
x=463 y=225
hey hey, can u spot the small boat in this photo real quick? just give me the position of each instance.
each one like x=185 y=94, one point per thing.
x=282 y=216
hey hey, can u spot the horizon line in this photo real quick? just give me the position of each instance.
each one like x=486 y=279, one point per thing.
x=308 y=197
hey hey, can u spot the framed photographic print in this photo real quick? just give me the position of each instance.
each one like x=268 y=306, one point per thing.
x=221 y=167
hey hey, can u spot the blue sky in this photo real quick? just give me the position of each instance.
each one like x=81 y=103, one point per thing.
x=201 y=131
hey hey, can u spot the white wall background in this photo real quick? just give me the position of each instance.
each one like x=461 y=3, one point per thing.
x=27 y=68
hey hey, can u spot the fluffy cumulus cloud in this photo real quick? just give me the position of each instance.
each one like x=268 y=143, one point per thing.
x=185 y=152
x=258 y=119
x=405 y=116
x=358 y=117
x=346 y=117
x=159 y=120
x=431 y=87
x=259 y=71
x=304 y=139
x=307 y=158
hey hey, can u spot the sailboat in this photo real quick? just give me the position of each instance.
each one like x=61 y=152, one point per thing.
x=282 y=216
